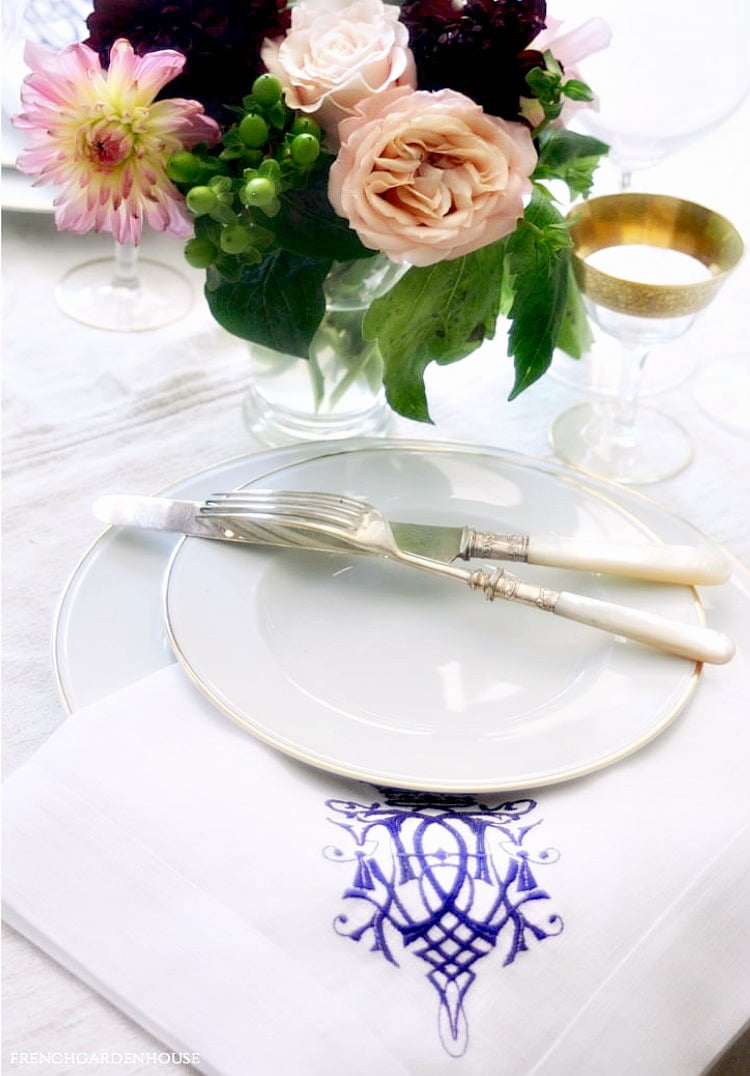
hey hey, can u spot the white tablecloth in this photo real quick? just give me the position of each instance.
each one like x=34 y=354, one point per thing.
x=87 y=412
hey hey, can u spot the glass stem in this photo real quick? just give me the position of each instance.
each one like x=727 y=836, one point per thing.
x=125 y=272
x=632 y=361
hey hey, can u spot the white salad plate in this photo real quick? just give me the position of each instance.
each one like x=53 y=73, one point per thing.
x=369 y=669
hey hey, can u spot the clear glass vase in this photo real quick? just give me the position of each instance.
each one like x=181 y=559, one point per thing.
x=337 y=391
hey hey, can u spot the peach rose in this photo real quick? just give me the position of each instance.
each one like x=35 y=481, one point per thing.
x=336 y=53
x=426 y=177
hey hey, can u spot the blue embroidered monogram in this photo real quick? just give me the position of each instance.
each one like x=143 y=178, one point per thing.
x=452 y=877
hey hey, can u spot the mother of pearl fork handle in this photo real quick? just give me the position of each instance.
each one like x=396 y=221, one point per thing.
x=686 y=640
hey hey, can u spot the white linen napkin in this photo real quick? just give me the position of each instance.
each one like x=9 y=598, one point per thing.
x=268 y=917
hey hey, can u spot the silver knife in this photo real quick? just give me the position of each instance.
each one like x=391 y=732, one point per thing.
x=660 y=563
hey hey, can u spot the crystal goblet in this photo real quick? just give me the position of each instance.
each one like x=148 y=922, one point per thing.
x=649 y=111
x=646 y=264
x=670 y=76
x=124 y=293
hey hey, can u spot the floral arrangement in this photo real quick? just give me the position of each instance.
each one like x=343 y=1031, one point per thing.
x=284 y=141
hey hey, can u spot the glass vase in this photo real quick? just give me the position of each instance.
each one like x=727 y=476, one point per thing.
x=338 y=390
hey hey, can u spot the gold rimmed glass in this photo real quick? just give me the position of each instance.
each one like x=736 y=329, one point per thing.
x=647 y=265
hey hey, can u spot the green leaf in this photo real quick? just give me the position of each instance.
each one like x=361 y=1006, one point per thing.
x=575 y=336
x=539 y=262
x=560 y=146
x=278 y=303
x=571 y=157
x=308 y=224
x=436 y=314
x=544 y=85
x=578 y=91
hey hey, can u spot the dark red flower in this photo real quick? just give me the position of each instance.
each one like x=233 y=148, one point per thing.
x=221 y=40
x=480 y=48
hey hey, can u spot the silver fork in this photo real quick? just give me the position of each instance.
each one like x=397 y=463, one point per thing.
x=332 y=522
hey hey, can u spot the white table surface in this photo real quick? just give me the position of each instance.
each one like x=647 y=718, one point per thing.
x=86 y=412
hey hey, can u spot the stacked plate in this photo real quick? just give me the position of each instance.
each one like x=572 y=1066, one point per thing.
x=54 y=23
x=366 y=668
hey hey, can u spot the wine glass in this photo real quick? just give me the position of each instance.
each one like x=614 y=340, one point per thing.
x=124 y=293
x=669 y=77
x=671 y=74
x=646 y=264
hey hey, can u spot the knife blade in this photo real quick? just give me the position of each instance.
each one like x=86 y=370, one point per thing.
x=659 y=563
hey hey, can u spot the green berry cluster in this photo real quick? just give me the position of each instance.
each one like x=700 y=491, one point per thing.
x=235 y=194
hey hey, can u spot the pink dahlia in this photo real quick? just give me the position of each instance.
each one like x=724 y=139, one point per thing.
x=101 y=137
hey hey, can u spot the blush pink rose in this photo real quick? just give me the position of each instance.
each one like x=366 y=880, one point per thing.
x=337 y=53
x=425 y=177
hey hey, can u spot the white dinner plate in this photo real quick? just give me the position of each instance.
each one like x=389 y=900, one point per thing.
x=18 y=195
x=54 y=24
x=371 y=670
x=109 y=627
x=17 y=191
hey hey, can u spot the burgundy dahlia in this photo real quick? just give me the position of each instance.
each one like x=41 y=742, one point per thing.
x=479 y=48
x=220 y=38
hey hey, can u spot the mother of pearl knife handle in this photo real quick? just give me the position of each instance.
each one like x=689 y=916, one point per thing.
x=658 y=563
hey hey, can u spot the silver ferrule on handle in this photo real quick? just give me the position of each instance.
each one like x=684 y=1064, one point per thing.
x=501 y=584
x=488 y=546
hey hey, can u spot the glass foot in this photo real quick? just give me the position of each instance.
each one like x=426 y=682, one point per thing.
x=722 y=391
x=153 y=296
x=658 y=448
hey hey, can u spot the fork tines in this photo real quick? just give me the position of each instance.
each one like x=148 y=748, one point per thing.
x=300 y=508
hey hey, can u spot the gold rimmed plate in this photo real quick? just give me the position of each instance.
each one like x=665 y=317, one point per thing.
x=364 y=668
